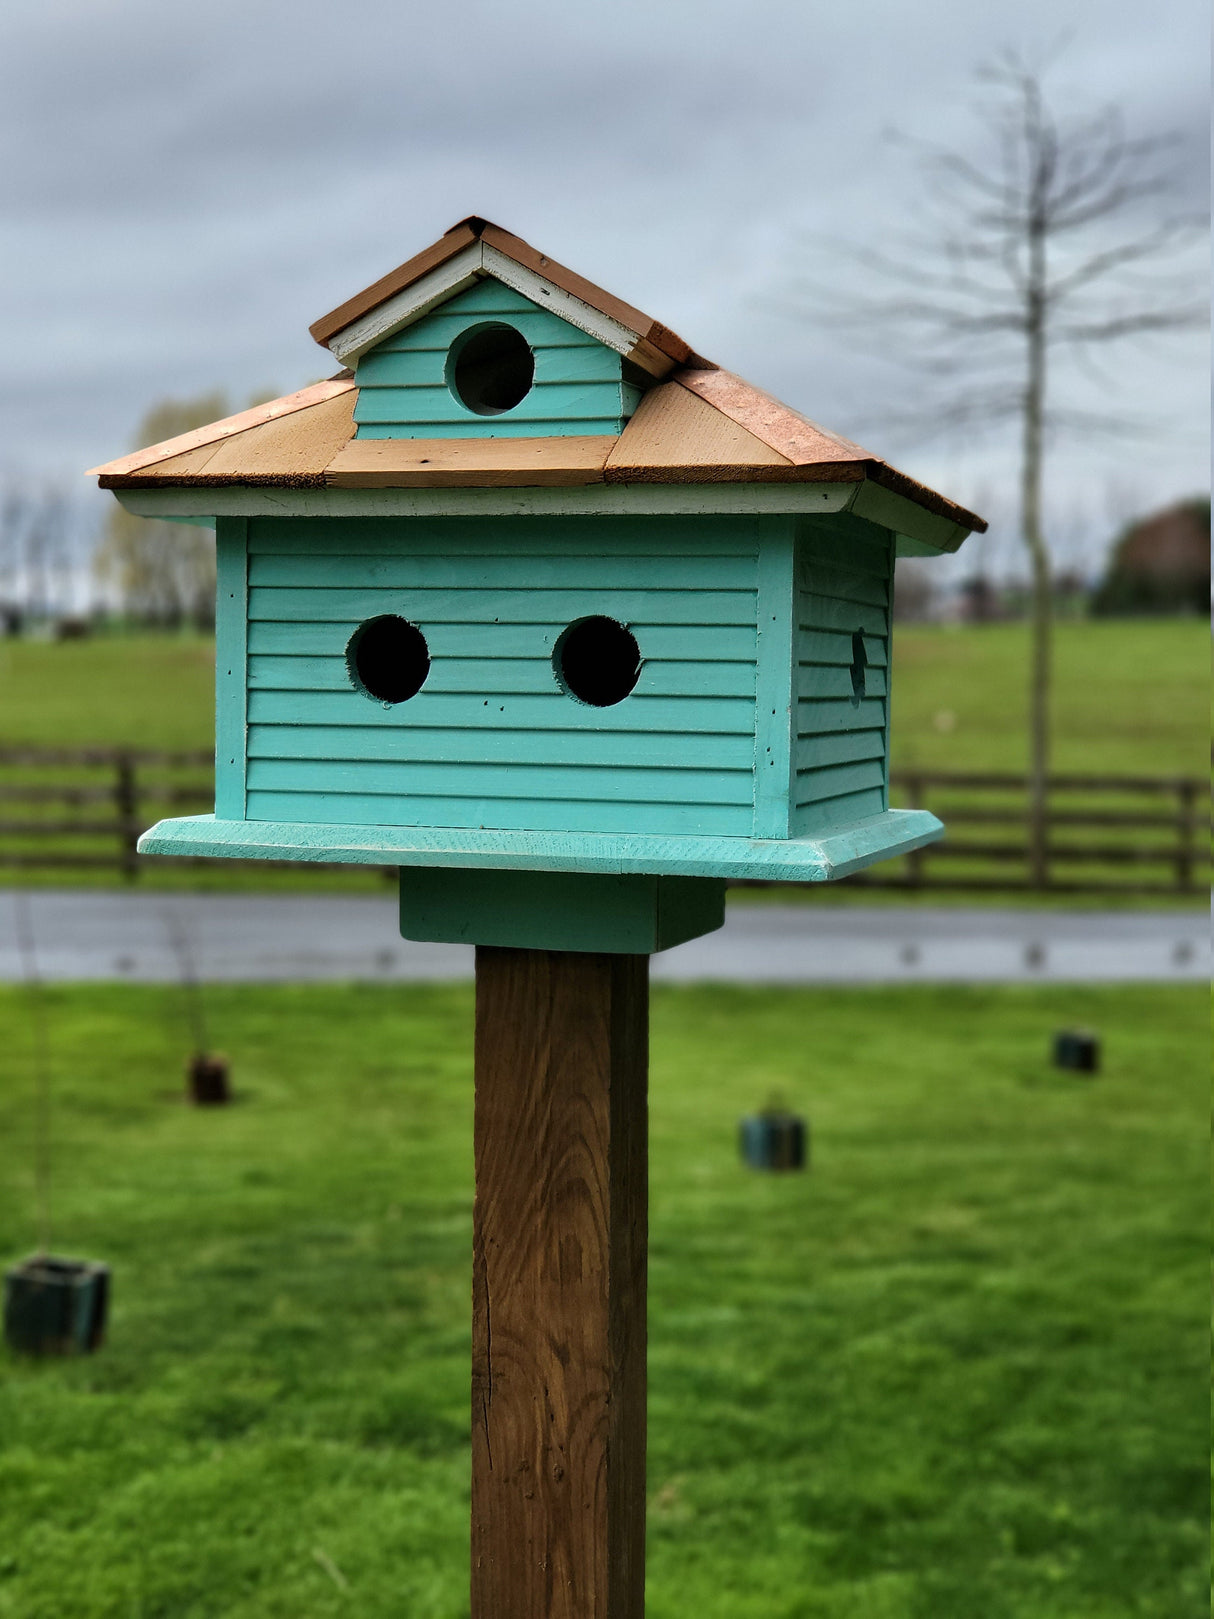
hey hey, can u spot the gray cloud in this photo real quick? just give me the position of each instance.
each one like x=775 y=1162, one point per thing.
x=185 y=191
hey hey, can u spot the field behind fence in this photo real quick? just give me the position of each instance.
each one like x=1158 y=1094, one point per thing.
x=77 y=812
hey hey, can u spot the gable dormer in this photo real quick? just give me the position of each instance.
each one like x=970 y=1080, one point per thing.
x=490 y=362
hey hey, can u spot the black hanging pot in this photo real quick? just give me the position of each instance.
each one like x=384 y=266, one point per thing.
x=1078 y=1050
x=774 y=1139
x=55 y=1306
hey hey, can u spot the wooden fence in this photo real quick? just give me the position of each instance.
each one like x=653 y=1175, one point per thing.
x=1132 y=835
x=85 y=809
x=116 y=793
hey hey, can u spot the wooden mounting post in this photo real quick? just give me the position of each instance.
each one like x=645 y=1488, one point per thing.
x=558 y=1292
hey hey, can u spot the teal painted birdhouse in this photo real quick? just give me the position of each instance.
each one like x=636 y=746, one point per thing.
x=531 y=588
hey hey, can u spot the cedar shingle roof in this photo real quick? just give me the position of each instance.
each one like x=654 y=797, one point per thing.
x=699 y=425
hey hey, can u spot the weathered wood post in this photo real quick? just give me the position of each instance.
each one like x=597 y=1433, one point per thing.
x=559 y=1263
x=573 y=628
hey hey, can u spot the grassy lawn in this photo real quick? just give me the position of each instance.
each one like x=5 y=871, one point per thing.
x=1132 y=696
x=955 y=1372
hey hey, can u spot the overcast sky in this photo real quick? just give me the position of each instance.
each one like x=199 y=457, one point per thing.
x=185 y=189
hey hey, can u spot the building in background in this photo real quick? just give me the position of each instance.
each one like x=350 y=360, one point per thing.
x=1160 y=564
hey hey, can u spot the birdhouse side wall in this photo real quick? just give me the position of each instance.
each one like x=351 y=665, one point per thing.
x=492 y=739
x=844 y=579
x=579 y=385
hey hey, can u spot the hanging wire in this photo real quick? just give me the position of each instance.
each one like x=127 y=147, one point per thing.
x=187 y=970
x=42 y=1075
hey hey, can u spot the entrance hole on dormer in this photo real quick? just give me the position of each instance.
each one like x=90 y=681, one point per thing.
x=859 y=663
x=490 y=368
x=388 y=659
x=598 y=661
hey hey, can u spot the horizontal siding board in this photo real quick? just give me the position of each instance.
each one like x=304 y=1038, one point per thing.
x=556 y=363
x=668 y=642
x=551 y=710
x=435 y=333
x=831 y=613
x=487 y=675
x=411 y=572
x=477 y=428
x=337 y=750
x=840 y=747
x=519 y=538
x=557 y=816
x=842 y=585
x=831 y=680
x=822 y=716
x=831 y=781
x=584 y=784
x=714 y=607
x=435 y=404
x=835 y=646
x=839 y=811
x=867 y=554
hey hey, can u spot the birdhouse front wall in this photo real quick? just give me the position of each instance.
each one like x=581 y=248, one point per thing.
x=743 y=720
x=408 y=382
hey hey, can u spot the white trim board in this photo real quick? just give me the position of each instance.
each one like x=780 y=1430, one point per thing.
x=260 y=500
x=472 y=264
x=929 y=535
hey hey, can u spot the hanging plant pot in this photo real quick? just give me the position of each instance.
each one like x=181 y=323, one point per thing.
x=1077 y=1050
x=774 y=1139
x=207 y=1076
x=55 y=1306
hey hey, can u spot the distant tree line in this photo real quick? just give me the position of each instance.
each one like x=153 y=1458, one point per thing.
x=163 y=574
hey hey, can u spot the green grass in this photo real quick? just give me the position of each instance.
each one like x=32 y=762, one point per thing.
x=1132 y=696
x=139 y=691
x=955 y=1371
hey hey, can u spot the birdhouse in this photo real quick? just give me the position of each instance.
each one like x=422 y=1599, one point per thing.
x=530 y=595
x=573 y=627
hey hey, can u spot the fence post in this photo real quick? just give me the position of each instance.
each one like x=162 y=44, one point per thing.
x=1186 y=791
x=914 y=860
x=126 y=801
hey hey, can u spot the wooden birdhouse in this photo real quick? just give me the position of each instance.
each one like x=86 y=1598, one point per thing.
x=573 y=627
x=531 y=586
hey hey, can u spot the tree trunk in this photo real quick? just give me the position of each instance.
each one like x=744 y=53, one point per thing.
x=1042 y=613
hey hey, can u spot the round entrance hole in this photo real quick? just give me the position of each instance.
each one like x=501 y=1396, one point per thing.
x=388 y=659
x=490 y=369
x=597 y=661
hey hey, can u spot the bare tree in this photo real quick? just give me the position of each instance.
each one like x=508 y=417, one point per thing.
x=1058 y=244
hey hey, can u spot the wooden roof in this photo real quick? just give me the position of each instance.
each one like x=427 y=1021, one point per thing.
x=697 y=427
x=696 y=424
x=654 y=346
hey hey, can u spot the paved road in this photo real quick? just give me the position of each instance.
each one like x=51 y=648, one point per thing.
x=268 y=938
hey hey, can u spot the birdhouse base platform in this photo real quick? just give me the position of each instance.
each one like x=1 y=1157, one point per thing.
x=557 y=910
x=829 y=854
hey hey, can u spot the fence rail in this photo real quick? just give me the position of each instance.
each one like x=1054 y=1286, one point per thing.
x=1147 y=834
x=1167 y=850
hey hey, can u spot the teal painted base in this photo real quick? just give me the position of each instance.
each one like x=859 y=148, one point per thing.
x=817 y=859
x=557 y=910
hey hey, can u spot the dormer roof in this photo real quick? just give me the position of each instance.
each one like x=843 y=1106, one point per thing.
x=476 y=247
